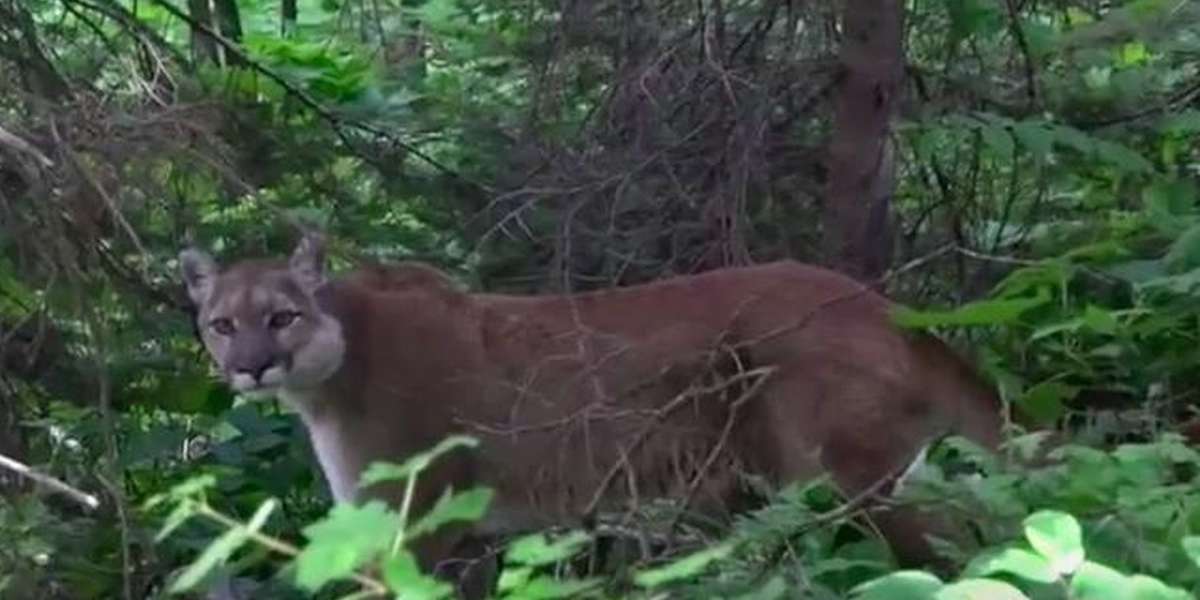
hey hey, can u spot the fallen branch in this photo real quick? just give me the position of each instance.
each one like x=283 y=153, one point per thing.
x=57 y=485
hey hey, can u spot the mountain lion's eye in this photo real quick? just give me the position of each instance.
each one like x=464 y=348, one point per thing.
x=222 y=326
x=283 y=318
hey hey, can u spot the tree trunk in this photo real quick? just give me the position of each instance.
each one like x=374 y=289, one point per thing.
x=857 y=208
x=289 y=14
x=220 y=17
x=230 y=20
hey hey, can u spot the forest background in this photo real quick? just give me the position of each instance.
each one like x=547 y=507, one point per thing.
x=1028 y=165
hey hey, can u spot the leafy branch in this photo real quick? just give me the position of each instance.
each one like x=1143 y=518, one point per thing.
x=335 y=120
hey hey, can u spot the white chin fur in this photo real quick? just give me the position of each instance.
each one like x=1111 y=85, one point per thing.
x=241 y=382
x=262 y=393
x=272 y=377
x=270 y=383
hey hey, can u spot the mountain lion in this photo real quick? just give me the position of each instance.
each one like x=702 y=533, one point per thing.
x=591 y=402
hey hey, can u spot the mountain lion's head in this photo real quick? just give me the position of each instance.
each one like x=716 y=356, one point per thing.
x=261 y=322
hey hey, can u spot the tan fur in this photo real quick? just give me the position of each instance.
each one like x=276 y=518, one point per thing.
x=594 y=401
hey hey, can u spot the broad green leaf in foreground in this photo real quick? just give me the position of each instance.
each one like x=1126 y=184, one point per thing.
x=382 y=471
x=983 y=312
x=192 y=486
x=535 y=550
x=549 y=588
x=1017 y=561
x=1094 y=581
x=1045 y=401
x=979 y=589
x=1149 y=588
x=684 y=568
x=514 y=577
x=901 y=585
x=183 y=511
x=222 y=548
x=404 y=578
x=343 y=541
x=1191 y=546
x=1057 y=537
x=466 y=506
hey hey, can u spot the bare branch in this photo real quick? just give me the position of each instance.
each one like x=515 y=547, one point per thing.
x=84 y=498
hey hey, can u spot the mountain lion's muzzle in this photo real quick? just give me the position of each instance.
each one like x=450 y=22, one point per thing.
x=256 y=361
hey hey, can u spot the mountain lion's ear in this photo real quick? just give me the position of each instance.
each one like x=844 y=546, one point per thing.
x=308 y=261
x=199 y=272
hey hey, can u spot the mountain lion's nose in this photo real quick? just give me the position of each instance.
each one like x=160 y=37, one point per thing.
x=256 y=369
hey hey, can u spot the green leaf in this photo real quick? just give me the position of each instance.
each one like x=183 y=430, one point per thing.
x=900 y=585
x=183 y=511
x=1042 y=38
x=1035 y=137
x=188 y=392
x=1184 y=254
x=190 y=487
x=1137 y=271
x=1100 y=320
x=535 y=550
x=1074 y=138
x=1077 y=16
x=1166 y=201
x=249 y=419
x=514 y=577
x=928 y=143
x=548 y=588
x=214 y=555
x=998 y=140
x=1094 y=581
x=440 y=15
x=403 y=577
x=1149 y=588
x=982 y=312
x=144 y=448
x=1132 y=54
x=1045 y=401
x=1016 y=561
x=774 y=589
x=221 y=549
x=1057 y=537
x=1122 y=157
x=683 y=568
x=979 y=589
x=467 y=506
x=15 y=295
x=1191 y=547
x=382 y=471
x=1182 y=123
x=343 y=541
x=972 y=17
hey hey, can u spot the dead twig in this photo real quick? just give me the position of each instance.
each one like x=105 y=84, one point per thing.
x=761 y=376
